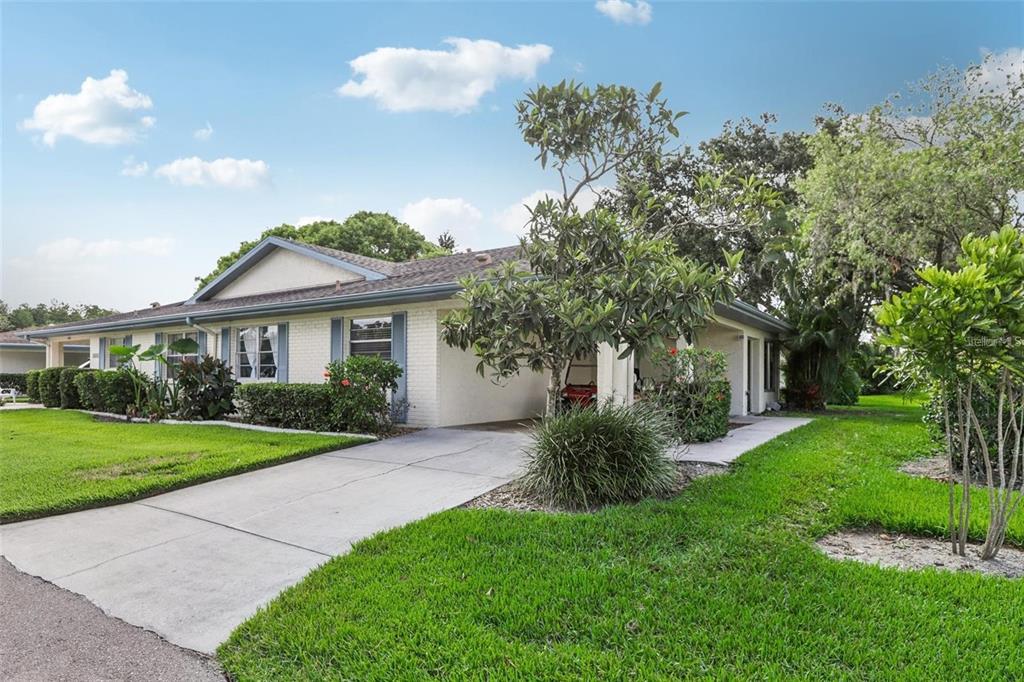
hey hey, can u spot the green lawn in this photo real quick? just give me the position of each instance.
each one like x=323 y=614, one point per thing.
x=53 y=461
x=721 y=582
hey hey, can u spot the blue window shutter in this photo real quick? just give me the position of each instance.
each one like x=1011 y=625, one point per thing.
x=337 y=325
x=128 y=340
x=282 y=353
x=201 y=340
x=225 y=345
x=398 y=355
x=158 y=367
x=103 y=353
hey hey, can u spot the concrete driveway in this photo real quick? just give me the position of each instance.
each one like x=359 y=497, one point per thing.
x=194 y=563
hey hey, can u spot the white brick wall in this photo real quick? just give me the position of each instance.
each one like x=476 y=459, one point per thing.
x=422 y=367
x=309 y=349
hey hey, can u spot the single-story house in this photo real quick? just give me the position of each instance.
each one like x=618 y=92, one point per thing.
x=19 y=354
x=286 y=309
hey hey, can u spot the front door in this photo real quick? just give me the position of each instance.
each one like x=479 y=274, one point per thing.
x=751 y=356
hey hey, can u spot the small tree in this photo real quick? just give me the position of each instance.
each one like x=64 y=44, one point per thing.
x=963 y=331
x=587 y=277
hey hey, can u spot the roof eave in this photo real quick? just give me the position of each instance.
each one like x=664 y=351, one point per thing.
x=409 y=294
x=738 y=311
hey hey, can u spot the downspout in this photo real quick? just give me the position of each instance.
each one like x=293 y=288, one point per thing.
x=210 y=334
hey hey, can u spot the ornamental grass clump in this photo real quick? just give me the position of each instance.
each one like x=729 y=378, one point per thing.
x=588 y=456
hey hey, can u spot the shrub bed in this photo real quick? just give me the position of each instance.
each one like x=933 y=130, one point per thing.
x=49 y=386
x=116 y=391
x=355 y=398
x=89 y=395
x=593 y=455
x=290 y=406
x=11 y=380
x=32 y=385
x=695 y=392
x=69 y=396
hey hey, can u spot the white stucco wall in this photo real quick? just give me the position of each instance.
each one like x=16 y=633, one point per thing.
x=17 y=361
x=468 y=398
x=283 y=269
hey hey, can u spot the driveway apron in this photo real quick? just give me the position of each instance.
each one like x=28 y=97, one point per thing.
x=193 y=564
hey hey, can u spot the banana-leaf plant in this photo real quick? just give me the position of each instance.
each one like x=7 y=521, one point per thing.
x=130 y=356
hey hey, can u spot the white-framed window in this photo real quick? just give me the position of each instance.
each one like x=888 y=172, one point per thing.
x=771 y=365
x=112 y=360
x=371 y=336
x=174 y=359
x=257 y=353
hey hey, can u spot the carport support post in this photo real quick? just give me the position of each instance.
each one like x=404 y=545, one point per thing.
x=614 y=375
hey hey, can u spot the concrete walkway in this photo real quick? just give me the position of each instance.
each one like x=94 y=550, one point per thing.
x=193 y=564
x=723 y=451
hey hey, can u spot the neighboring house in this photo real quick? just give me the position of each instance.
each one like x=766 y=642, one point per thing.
x=19 y=355
x=285 y=309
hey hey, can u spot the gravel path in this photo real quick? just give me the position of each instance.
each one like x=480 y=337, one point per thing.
x=47 y=633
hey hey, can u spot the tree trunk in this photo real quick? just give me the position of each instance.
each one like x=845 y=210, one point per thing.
x=554 y=392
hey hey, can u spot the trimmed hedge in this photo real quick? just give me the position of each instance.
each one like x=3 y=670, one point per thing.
x=69 y=396
x=32 y=385
x=10 y=380
x=49 y=386
x=290 y=406
x=116 y=390
x=88 y=390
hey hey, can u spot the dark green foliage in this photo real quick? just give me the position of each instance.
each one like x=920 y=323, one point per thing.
x=987 y=412
x=604 y=454
x=69 y=396
x=116 y=390
x=32 y=385
x=49 y=386
x=361 y=385
x=846 y=390
x=88 y=389
x=9 y=380
x=695 y=391
x=355 y=398
x=42 y=314
x=289 y=406
x=205 y=389
x=871 y=361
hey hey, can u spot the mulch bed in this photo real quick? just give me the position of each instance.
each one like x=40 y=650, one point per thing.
x=511 y=496
x=917 y=553
x=937 y=469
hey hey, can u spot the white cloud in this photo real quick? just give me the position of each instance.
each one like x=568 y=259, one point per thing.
x=997 y=71
x=410 y=79
x=624 y=11
x=434 y=216
x=104 y=111
x=132 y=169
x=226 y=172
x=72 y=249
x=513 y=219
x=204 y=133
x=307 y=219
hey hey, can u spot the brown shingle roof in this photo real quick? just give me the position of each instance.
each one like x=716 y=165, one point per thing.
x=12 y=337
x=410 y=275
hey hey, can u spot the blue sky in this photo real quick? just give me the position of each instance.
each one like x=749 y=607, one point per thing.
x=112 y=198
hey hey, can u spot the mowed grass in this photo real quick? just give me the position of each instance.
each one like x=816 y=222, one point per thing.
x=722 y=582
x=53 y=461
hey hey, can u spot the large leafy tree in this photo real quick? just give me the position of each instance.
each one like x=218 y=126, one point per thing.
x=377 y=235
x=728 y=195
x=895 y=190
x=591 y=277
x=42 y=314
